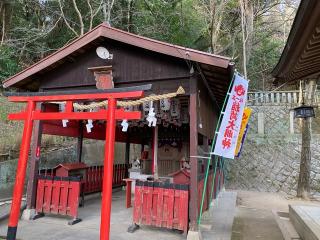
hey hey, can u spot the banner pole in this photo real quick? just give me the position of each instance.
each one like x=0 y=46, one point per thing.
x=212 y=147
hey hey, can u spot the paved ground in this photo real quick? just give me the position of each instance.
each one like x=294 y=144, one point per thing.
x=254 y=218
x=217 y=223
x=55 y=228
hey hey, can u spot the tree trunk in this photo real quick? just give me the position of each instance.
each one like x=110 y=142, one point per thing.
x=304 y=175
x=3 y=10
x=244 y=37
x=217 y=11
x=249 y=17
x=129 y=16
x=303 y=190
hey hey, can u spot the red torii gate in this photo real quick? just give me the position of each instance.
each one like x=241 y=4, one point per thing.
x=31 y=113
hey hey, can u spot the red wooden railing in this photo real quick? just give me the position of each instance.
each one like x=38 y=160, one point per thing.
x=58 y=195
x=161 y=205
x=168 y=166
x=219 y=181
x=94 y=177
x=92 y=181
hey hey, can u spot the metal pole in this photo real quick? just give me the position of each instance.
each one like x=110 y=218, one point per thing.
x=21 y=173
x=214 y=178
x=108 y=171
x=211 y=150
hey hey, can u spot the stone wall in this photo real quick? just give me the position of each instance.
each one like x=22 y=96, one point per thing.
x=270 y=158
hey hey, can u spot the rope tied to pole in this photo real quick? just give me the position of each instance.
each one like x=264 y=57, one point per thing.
x=137 y=102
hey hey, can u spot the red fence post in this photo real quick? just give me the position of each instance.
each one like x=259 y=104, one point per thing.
x=59 y=196
x=21 y=173
x=161 y=204
x=40 y=194
x=73 y=199
x=138 y=195
x=107 y=175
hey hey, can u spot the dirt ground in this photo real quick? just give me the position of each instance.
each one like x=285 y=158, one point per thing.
x=254 y=218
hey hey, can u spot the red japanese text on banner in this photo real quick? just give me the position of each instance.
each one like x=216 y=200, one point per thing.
x=230 y=125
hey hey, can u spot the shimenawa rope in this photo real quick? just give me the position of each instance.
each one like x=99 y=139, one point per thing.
x=180 y=91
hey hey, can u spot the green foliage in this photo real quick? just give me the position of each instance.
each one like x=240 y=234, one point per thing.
x=8 y=63
x=264 y=57
x=36 y=28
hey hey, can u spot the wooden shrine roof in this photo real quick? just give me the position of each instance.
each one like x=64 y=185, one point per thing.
x=216 y=70
x=300 y=58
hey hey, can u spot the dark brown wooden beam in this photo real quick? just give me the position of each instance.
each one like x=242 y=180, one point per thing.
x=193 y=207
x=34 y=162
x=80 y=141
x=214 y=74
x=214 y=68
x=211 y=94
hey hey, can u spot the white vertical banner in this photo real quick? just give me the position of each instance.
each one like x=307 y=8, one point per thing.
x=230 y=125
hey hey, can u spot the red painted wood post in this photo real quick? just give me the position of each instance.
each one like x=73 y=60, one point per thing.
x=138 y=195
x=21 y=173
x=73 y=198
x=40 y=193
x=128 y=182
x=108 y=171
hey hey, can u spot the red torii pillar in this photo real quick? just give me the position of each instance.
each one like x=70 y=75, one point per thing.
x=21 y=172
x=31 y=114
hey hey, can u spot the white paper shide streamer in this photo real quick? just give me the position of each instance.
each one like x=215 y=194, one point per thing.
x=62 y=107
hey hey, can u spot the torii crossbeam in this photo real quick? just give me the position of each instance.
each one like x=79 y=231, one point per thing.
x=31 y=113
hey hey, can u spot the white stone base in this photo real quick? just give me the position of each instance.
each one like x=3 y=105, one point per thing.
x=194 y=235
x=28 y=214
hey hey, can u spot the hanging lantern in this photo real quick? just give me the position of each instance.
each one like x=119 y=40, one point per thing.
x=157 y=109
x=304 y=112
x=165 y=104
x=146 y=106
x=184 y=115
x=175 y=108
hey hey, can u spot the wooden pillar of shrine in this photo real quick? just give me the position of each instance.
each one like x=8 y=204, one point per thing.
x=193 y=207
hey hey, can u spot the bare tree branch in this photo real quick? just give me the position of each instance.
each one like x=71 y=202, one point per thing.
x=91 y=14
x=65 y=20
x=3 y=9
x=244 y=60
x=79 y=15
x=108 y=12
x=98 y=9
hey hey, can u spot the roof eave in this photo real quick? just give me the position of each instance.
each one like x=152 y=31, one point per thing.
x=302 y=28
x=103 y=30
x=54 y=57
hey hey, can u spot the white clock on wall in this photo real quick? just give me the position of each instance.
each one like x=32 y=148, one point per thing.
x=103 y=53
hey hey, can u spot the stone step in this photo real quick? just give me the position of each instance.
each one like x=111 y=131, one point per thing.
x=5 y=207
x=217 y=222
x=306 y=221
x=285 y=225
